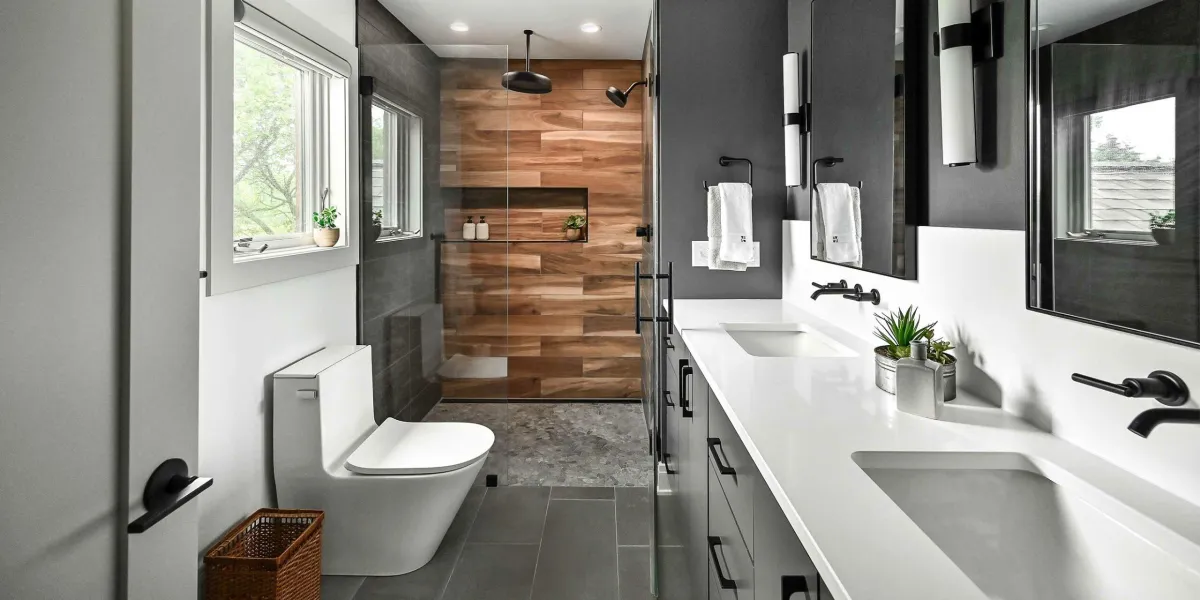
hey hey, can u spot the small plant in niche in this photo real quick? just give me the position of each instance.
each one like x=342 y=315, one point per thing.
x=1162 y=228
x=573 y=226
x=327 y=232
x=376 y=224
x=899 y=328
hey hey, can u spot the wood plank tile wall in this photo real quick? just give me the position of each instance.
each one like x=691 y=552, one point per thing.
x=561 y=312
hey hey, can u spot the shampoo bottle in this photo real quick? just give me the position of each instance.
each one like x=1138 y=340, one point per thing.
x=920 y=383
x=481 y=230
x=469 y=229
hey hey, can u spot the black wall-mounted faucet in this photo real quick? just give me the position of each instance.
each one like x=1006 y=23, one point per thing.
x=860 y=296
x=1164 y=386
x=840 y=288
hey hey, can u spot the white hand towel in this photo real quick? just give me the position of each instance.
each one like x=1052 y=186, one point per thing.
x=737 y=222
x=714 y=234
x=841 y=223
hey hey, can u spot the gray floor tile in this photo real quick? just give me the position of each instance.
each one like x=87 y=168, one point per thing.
x=579 y=552
x=337 y=587
x=511 y=515
x=633 y=516
x=581 y=493
x=493 y=572
x=633 y=568
x=428 y=582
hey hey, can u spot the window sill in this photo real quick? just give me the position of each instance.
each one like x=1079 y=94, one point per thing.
x=1104 y=240
x=241 y=258
x=383 y=239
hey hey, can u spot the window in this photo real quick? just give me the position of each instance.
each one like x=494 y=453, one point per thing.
x=396 y=163
x=283 y=145
x=1131 y=174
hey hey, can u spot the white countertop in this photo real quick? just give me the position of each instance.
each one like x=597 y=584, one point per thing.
x=801 y=419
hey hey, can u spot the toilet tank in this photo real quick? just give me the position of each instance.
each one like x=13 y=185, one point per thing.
x=323 y=407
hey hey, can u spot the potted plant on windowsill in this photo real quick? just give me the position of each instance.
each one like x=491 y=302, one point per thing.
x=573 y=227
x=898 y=329
x=1162 y=228
x=376 y=225
x=326 y=233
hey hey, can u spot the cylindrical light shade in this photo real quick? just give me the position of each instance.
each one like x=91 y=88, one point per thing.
x=957 y=83
x=791 y=119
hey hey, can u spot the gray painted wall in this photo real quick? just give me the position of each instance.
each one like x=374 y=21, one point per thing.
x=399 y=312
x=987 y=195
x=721 y=92
x=60 y=155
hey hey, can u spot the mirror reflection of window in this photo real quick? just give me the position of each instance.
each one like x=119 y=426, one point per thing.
x=396 y=178
x=1131 y=166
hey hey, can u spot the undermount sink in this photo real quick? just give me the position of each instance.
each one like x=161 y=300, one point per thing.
x=1024 y=528
x=784 y=340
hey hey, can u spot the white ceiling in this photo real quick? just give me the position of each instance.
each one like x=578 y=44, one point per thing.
x=1064 y=18
x=555 y=24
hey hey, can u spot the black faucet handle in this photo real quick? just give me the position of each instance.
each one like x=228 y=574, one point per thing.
x=1164 y=386
x=837 y=284
x=860 y=296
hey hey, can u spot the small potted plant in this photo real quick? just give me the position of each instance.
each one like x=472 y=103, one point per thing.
x=898 y=329
x=1162 y=228
x=573 y=227
x=376 y=224
x=327 y=232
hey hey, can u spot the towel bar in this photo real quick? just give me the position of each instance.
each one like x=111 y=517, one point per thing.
x=827 y=162
x=725 y=161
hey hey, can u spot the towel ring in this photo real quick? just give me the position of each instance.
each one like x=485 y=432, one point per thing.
x=725 y=161
x=828 y=162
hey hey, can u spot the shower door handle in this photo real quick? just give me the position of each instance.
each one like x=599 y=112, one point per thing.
x=638 y=276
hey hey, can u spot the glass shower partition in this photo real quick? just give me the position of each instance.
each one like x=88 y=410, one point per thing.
x=472 y=259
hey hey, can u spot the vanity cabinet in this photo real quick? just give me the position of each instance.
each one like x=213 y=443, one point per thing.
x=736 y=540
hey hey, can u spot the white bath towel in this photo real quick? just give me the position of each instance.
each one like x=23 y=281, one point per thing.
x=714 y=234
x=838 y=219
x=737 y=222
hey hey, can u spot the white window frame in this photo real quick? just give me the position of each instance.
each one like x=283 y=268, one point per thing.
x=293 y=256
x=404 y=185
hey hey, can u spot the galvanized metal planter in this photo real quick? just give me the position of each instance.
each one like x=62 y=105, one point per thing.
x=885 y=374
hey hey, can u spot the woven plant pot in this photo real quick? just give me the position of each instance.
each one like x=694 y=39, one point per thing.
x=275 y=554
x=326 y=238
x=573 y=234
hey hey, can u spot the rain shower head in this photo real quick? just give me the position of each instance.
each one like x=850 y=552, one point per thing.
x=526 y=82
x=621 y=98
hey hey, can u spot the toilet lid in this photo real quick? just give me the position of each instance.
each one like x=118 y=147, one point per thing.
x=402 y=448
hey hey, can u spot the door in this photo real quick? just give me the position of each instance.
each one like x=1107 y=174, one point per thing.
x=163 y=169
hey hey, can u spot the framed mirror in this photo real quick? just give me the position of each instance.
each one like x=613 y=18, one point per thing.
x=865 y=134
x=1114 y=195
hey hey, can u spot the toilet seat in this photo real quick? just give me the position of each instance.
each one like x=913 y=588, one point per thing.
x=403 y=448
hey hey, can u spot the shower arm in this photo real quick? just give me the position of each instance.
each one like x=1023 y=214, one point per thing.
x=633 y=85
x=528 y=36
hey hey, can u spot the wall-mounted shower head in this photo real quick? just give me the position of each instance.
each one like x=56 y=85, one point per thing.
x=526 y=82
x=621 y=98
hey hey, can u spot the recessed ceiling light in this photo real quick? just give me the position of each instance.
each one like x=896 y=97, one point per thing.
x=589 y=28
x=459 y=26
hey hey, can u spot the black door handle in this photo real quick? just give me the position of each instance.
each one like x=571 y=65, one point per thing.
x=722 y=468
x=685 y=371
x=638 y=319
x=168 y=488
x=726 y=583
x=793 y=584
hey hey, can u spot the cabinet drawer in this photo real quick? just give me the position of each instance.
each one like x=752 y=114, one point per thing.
x=734 y=469
x=782 y=567
x=729 y=560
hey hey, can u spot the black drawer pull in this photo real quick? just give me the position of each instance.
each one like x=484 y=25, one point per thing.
x=670 y=346
x=667 y=398
x=726 y=583
x=667 y=463
x=722 y=468
x=685 y=371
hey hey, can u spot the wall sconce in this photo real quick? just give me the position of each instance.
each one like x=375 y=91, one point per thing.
x=963 y=40
x=794 y=121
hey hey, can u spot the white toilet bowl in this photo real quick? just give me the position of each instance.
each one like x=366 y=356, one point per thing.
x=389 y=492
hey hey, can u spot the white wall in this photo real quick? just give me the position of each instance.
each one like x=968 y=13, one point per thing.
x=60 y=166
x=246 y=336
x=973 y=283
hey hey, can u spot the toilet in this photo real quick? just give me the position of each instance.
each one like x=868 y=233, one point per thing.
x=389 y=491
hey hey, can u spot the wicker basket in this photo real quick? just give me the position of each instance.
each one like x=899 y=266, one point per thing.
x=275 y=554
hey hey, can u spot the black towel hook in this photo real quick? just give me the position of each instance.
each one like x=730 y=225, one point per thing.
x=725 y=161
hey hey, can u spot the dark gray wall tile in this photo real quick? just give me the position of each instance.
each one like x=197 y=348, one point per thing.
x=579 y=552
